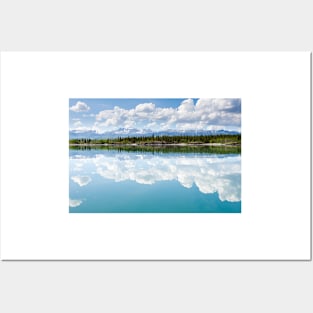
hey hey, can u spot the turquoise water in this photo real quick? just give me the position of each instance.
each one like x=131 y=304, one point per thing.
x=154 y=181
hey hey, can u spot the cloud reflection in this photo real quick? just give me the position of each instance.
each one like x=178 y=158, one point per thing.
x=81 y=180
x=74 y=203
x=209 y=174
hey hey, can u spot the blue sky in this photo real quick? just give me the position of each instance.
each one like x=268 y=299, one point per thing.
x=103 y=115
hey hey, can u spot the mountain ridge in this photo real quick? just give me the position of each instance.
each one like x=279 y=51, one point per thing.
x=133 y=132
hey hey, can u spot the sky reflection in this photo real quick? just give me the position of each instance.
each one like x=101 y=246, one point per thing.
x=209 y=173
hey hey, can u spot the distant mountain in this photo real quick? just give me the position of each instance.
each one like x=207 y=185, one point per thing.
x=133 y=132
x=74 y=134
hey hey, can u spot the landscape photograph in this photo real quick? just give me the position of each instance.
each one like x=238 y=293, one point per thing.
x=158 y=155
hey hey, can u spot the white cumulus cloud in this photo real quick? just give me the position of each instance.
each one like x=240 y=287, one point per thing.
x=145 y=107
x=80 y=107
x=204 y=114
x=187 y=106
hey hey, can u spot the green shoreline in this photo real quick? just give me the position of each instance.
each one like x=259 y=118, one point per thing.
x=235 y=144
x=211 y=144
x=165 y=148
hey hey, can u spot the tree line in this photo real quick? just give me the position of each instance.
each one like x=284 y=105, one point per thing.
x=161 y=149
x=185 y=139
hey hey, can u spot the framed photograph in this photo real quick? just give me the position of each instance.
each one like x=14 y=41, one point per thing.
x=155 y=155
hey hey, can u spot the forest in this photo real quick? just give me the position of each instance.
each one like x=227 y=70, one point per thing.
x=162 y=140
x=162 y=149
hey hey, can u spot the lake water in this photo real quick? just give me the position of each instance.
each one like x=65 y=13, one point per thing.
x=149 y=180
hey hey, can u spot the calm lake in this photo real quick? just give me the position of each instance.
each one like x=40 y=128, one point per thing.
x=154 y=180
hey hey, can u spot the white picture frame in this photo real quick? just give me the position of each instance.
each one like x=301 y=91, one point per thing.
x=274 y=88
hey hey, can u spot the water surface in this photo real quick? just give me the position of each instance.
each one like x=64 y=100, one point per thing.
x=155 y=180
